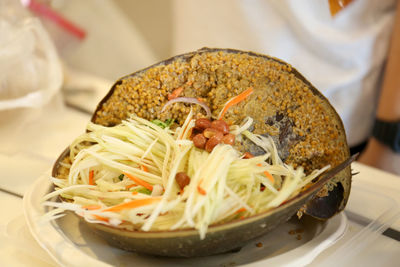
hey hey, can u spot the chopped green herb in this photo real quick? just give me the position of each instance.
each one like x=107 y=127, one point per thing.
x=144 y=191
x=162 y=124
x=168 y=122
x=159 y=123
x=121 y=177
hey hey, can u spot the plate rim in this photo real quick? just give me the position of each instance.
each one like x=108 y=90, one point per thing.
x=334 y=229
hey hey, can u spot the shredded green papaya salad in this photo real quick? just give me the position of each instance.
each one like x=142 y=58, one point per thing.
x=141 y=175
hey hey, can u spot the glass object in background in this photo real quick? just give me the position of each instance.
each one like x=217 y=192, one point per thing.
x=30 y=77
x=30 y=72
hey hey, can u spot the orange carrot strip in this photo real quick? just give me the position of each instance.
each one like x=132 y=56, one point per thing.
x=144 y=168
x=91 y=207
x=248 y=155
x=175 y=93
x=201 y=190
x=237 y=99
x=130 y=186
x=184 y=130
x=269 y=176
x=134 y=204
x=139 y=181
x=134 y=193
x=91 y=175
x=100 y=218
x=240 y=210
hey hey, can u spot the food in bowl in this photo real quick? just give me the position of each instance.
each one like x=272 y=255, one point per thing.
x=199 y=145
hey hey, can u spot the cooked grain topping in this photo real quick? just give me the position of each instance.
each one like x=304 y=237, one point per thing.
x=282 y=105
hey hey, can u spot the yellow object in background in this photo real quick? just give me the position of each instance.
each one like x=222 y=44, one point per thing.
x=335 y=6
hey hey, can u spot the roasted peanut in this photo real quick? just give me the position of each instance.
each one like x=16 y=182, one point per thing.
x=199 y=141
x=182 y=179
x=202 y=123
x=213 y=141
x=228 y=139
x=210 y=132
x=195 y=131
x=221 y=126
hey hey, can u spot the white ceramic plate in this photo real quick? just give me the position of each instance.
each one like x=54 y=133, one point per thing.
x=69 y=242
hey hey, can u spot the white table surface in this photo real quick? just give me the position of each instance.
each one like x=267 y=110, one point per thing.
x=20 y=169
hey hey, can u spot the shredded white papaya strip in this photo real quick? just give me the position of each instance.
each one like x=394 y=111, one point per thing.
x=66 y=189
x=167 y=193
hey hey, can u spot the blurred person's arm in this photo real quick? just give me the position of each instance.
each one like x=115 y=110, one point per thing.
x=377 y=154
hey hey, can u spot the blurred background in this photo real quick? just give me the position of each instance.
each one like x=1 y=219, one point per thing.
x=58 y=59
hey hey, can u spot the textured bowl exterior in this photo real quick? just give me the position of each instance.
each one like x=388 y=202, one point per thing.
x=187 y=243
